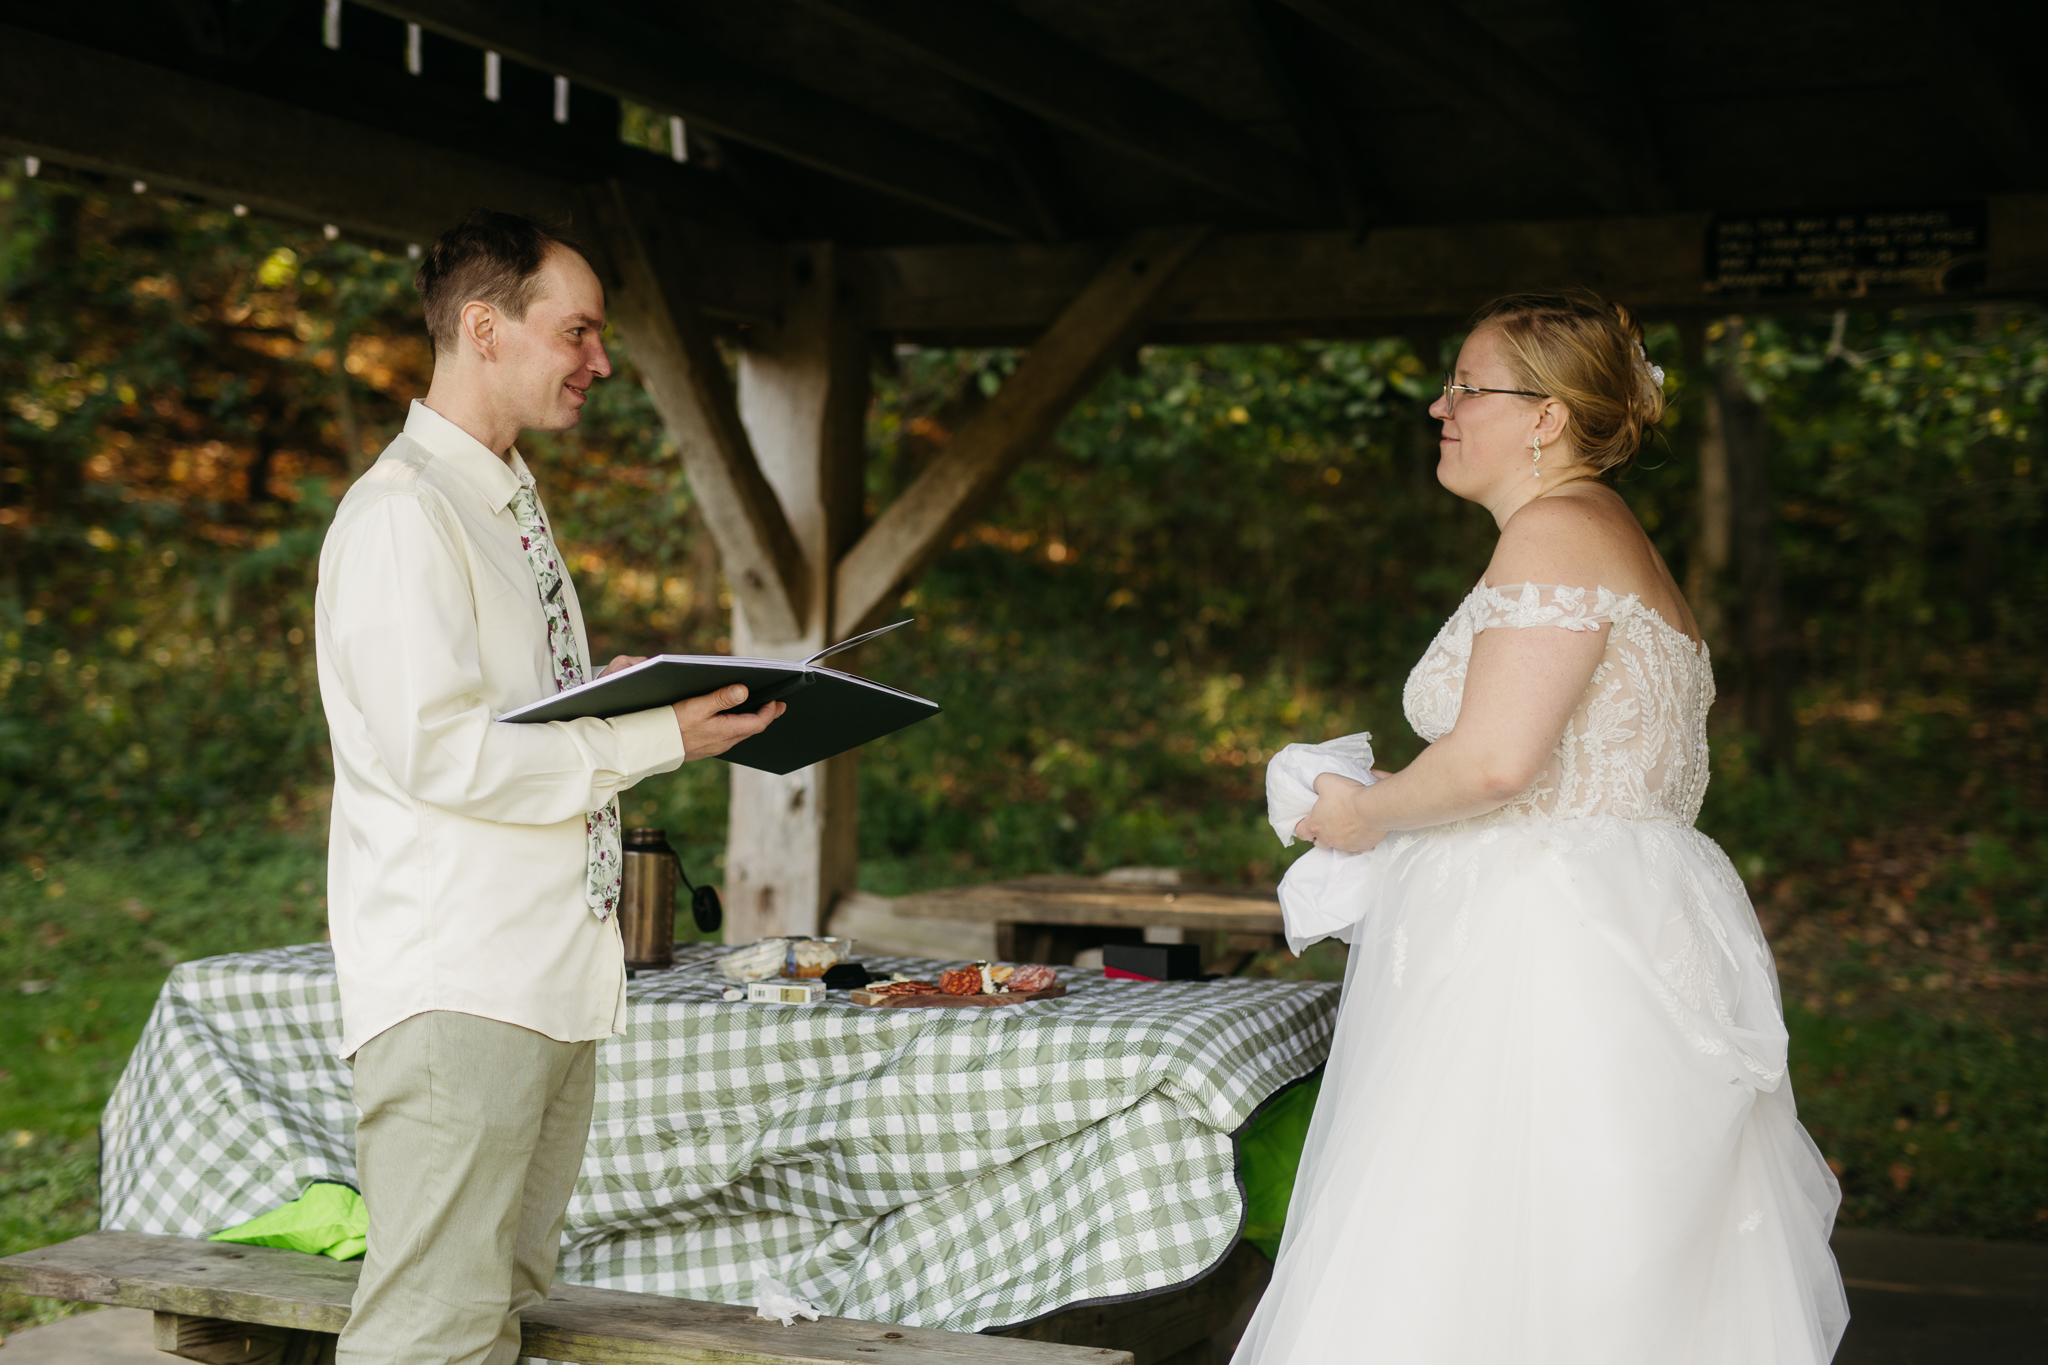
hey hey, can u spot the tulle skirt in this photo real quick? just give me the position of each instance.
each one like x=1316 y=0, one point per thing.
x=1556 y=1124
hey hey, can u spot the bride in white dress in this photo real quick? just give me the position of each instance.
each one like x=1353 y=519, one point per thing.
x=1557 y=1124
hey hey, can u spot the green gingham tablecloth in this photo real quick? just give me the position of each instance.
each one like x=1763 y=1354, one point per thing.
x=958 y=1168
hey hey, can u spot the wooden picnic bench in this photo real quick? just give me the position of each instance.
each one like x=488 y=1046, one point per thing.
x=1048 y=919
x=224 y=1304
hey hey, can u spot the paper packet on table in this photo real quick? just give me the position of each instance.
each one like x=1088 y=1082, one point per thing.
x=774 y=1301
x=1326 y=893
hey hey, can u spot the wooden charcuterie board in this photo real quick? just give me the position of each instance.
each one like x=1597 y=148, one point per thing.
x=1051 y=992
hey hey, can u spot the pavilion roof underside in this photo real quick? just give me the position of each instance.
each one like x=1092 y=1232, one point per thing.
x=1058 y=126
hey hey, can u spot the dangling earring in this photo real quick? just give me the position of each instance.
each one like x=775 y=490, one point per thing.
x=1536 y=465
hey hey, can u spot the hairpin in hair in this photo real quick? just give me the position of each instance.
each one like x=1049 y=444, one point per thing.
x=1656 y=371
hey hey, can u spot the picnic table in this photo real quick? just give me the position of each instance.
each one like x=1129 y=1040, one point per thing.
x=1050 y=918
x=969 y=1169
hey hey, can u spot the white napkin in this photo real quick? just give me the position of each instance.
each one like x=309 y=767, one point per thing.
x=1325 y=893
x=776 y=1302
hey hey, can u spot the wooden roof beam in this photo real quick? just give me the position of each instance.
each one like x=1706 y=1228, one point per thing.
x=1298 y=283
x=601 y=50
x=999 y=51
x=678 y=358
x=1091 y=332
x=1268 y=285
x=1440 y=49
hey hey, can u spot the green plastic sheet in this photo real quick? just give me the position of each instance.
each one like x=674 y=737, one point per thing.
x=1269 y=1154
x=327 y=1220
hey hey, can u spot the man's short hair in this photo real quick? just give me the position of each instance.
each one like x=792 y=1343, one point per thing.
x=488 y=257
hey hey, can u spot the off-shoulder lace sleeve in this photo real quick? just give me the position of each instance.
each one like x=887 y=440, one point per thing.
x=1636 y=743
x=1543 y=604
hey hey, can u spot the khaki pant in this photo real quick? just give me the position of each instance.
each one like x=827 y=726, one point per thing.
x=470 y=1138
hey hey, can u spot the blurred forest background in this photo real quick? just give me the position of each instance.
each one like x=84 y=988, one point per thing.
x=1227 y=549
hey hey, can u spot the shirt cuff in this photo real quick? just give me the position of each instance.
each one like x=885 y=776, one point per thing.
x=650 y=742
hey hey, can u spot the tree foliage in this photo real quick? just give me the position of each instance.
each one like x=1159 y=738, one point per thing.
x=1225 y=549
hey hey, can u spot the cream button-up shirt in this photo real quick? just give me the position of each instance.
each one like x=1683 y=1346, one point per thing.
x=456 y=861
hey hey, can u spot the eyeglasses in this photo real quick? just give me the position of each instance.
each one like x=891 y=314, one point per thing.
x=1452 y=390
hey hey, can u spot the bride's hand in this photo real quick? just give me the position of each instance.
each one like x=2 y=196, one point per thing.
x=1334 y=822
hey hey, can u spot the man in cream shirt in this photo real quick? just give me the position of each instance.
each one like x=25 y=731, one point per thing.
x=473 y=865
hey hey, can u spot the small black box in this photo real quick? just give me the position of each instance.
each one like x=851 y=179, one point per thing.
x=1159 y=961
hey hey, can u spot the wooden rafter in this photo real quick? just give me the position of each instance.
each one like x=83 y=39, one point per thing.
x=2008 y=114
x=1604 y=29
x=180 y=132
x=606 y=52
x=996 y=50
x=188 y=134
x=1416 y=40
x=675 y=352
x=1025 y=145
x=1090 y=334
x=1309 y=108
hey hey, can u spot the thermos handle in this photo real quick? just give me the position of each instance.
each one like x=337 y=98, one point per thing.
x=704 y=906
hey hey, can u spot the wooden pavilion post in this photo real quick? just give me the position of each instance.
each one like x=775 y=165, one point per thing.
x=778 y=464
x=792 y=843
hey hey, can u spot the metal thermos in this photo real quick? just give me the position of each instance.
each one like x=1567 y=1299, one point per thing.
x=647 y=900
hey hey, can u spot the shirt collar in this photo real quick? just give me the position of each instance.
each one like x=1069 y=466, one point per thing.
x=492 y=478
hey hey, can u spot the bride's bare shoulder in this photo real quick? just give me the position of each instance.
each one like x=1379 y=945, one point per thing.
x=1584 y=538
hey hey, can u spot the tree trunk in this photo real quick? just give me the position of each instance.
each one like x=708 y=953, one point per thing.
x=1700 y=440
x=1767 y=658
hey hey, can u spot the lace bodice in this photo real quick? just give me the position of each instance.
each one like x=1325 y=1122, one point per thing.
x=1636 y=744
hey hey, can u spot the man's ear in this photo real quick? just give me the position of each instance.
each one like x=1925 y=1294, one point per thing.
x=480 y=329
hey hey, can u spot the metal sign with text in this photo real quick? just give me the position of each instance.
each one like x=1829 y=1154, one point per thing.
x=1847 y=254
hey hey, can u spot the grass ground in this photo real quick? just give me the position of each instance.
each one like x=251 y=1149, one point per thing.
x=1920 y=1053
x=84 y=947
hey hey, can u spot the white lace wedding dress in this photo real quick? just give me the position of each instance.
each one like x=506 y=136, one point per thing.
x=1556 y=1126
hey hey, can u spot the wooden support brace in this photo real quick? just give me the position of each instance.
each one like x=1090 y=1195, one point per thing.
x=1088 y=336
x=686 y=377
x=217 y=1341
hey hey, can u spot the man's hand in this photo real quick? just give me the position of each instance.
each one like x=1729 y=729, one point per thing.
x=707 y=732
x=1334 y=821
x=623 y=661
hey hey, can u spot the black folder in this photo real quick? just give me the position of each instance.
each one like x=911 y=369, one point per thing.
x=829 y=711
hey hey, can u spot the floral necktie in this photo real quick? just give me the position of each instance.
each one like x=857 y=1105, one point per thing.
x=601 y=825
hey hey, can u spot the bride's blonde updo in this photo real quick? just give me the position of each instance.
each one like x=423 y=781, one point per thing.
x=1588 y=354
